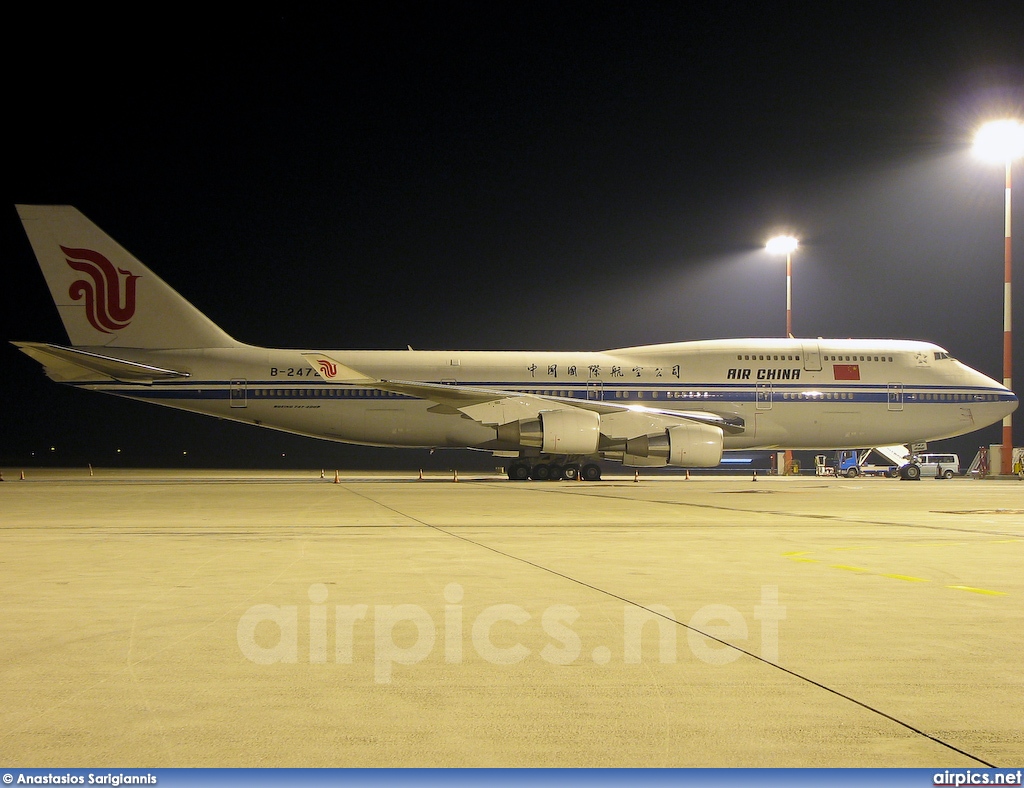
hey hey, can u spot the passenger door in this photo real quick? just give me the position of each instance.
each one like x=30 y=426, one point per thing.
x=895 y=398
x=237 y=395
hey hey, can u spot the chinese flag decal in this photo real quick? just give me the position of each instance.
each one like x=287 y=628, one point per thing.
x=846 y=371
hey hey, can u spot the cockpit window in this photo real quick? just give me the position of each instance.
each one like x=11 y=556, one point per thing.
x=941 y=354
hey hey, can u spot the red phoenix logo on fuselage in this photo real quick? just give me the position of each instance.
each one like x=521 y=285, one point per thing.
x=105 y=307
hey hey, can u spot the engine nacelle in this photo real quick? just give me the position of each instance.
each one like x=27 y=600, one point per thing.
x=692 y=445
x=556 y=432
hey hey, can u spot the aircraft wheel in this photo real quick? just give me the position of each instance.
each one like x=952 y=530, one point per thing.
x=540 y=472
x=518 y=472
x=557 y=473
x=851 y=473
x=591 y=472
x=570 y=472
x=911 y=472
x=893 y=473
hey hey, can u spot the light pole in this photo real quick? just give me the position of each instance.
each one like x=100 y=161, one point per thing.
x=1000 y=142
x=786 y=244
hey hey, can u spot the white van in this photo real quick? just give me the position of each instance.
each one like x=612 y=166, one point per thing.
x=932 y=465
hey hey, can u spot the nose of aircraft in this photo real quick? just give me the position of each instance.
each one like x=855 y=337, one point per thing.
x=992 y=398
x=1007 y=400
x=1010 y=400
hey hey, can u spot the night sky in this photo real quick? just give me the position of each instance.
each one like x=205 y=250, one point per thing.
x=565 y=176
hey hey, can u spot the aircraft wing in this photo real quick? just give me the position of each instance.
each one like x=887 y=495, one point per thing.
x=494 y=407
x=64 y=364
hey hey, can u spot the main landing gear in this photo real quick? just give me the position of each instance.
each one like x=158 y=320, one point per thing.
x=553 y=471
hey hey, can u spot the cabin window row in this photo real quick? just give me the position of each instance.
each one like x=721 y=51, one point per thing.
x=954 y=397
x=817 y=395
x=858 y=358
x=849 y=395
x=780 y=357
x=332 y=393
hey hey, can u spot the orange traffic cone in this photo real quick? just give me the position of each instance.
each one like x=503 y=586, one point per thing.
x=23 y=475
x=636 y=476
x=337 y=478
x=755 y=477
x=421 y=474
x=455 y=478
x=687 y=474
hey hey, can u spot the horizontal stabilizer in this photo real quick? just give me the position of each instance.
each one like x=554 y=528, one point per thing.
x=64 y=364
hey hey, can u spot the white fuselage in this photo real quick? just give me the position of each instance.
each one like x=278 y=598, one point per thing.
x=786 y=393
x=682 y=404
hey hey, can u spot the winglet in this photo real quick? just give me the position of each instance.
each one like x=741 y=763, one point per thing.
x=333 y=370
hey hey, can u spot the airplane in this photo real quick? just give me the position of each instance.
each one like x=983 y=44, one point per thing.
x=551 y=415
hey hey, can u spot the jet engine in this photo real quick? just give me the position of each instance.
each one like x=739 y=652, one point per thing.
x=691 y=445
x=556 y=432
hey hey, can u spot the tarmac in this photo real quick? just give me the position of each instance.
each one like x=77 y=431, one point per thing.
x=280 y=619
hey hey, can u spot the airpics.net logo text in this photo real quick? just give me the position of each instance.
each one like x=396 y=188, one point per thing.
x=974 y=777
x=407 y=634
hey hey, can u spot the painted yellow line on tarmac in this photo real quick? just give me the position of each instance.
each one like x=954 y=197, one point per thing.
x=799 y=555
x=978 y=590
x=908 y=578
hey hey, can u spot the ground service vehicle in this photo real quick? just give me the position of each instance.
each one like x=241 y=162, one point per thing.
x=938 y=465
x=854 y=462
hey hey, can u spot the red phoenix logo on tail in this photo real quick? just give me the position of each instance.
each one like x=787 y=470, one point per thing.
x=327 y=368
x=105 y=307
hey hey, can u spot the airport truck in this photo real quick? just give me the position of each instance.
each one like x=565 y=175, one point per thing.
x=898 y=463
x=854 y=462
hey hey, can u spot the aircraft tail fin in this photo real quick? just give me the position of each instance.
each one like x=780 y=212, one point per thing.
x=105 y=296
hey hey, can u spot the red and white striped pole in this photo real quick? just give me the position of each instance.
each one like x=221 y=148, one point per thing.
x=1002 y=141
x=789 y=295
x=1007 y=460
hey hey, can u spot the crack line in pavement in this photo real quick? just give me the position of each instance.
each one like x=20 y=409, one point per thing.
x=613 y=595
